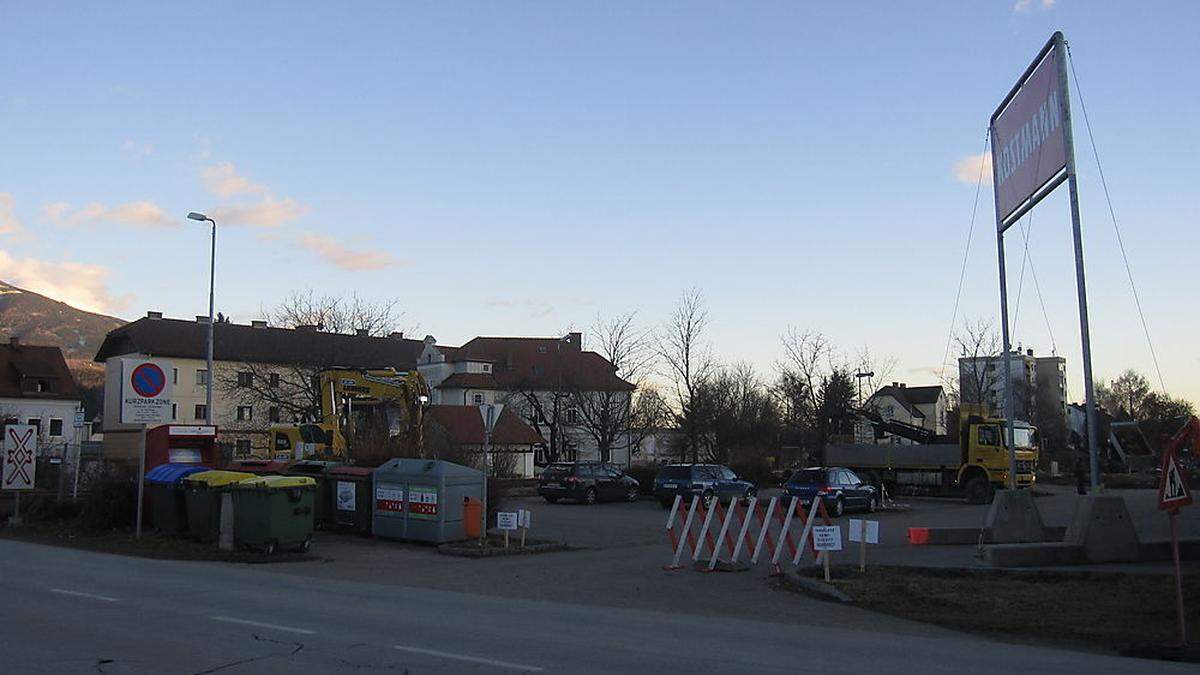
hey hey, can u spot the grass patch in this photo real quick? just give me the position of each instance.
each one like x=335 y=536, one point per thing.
x=1122 y=613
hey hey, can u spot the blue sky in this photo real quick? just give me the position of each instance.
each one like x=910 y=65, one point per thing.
x=517 y=168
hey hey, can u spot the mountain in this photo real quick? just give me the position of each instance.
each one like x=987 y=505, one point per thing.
x=38 y=320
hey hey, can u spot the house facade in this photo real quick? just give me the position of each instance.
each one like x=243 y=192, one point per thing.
x=458 y=431
x=923 y=407
x=37 y=388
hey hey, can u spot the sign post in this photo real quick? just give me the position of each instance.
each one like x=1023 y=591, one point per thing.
x=489 y=414
x=1174 y=494
x=1033 y=152
x=864 y=532
x=826 y=539
x=145 y=399
x=20 y=463
x=507 y=521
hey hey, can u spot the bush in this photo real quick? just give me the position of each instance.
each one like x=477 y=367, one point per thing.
x=48 y=509
x=497 y=494
x=755 y=470
x=644 y=474
x=111 y=501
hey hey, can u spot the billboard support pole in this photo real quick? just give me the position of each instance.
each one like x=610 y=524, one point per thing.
x=141 y=479
x=1005 y=337
x=1080 y=285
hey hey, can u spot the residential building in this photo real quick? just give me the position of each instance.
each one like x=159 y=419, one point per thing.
x=36 y=388
x=263 y=374
x=923 y=407
x=550 y=382
x=458 y=430
x=1039 y=388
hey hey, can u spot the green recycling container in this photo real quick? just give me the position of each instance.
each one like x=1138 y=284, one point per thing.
x=323 y=502
x=202 y=496
x=274 y=512
x=164 y=496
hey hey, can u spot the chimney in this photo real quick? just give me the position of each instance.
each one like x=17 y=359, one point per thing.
x=307 y=328
x=895 y=385
x=429 y=339
x=14 y=341
x=201 y=318
x=1029 y=352
x=901 y=385
x=362 y=332
x=575 y=340
x=258 y=324
x=153 y=315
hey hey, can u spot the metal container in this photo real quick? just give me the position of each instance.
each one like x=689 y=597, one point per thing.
x=274 y=512
x=422 y=499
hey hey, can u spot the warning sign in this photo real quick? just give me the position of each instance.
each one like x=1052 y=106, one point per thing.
x=20 y=442
x=1173 y=492
x=827 y=538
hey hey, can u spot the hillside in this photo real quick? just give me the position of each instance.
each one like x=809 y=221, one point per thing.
x=39 y=320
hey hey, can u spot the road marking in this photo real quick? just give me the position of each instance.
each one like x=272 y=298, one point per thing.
x=259 y=624
x=470 y=659
x=80 y=594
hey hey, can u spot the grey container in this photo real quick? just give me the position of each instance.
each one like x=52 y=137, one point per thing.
x=422 y=499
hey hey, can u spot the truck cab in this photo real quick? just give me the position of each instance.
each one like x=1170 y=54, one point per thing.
x=986 y=463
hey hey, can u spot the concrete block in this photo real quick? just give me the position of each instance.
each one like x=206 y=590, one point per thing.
x=1103 y=530
x=1046 y=554
x=1014 y=518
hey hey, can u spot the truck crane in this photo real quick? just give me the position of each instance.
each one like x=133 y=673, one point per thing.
x=400 y=396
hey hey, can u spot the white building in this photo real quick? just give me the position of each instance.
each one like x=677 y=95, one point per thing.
x=923 y=407
x=1039 y=384
x=37 y=388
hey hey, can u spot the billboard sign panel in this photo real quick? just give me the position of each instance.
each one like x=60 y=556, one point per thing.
x=145 y=392
x=1028 y=133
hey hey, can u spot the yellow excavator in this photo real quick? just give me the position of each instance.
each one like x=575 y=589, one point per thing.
x=399 y=398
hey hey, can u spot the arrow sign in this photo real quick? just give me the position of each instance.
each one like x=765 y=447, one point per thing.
x=1173 y=492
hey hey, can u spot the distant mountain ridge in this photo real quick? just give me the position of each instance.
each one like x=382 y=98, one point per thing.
x=38 y=320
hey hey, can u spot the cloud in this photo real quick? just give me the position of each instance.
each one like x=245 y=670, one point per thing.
x=8 y=220
x=77 y=284
x=135 y=149
x=269 y=212
x=334 y=253
x=1023 y=6
x=967 y=169
x=144 y=214
x=222 y=179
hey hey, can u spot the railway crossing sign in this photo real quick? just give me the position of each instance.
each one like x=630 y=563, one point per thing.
x=145 y=392
x=1173 y=492
x=20 y=442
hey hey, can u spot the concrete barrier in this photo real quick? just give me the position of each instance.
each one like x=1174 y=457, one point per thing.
x=1013 y=517
x=1102 y=528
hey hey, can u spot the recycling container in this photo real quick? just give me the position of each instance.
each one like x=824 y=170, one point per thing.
x=350 y=488
x=323 y=500
x=423 y=499
x=202 y=494
x=274 y=512
x=164 y=492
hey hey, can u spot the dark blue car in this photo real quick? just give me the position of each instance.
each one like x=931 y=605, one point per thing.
x=707 y=481
x=841 y=489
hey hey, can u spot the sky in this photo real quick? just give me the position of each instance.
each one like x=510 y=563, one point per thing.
x=520 y=168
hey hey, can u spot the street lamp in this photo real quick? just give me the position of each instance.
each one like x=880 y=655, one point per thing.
x=212 y=271
x=859 y=376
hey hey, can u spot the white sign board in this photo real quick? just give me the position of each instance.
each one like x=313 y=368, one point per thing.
x=20 y=443
x=145 y=391
x=523 y=518
x=506 y=520
x=191 y=430
x=79 y=418
x=827 y=538
x=856 y=531
x=345 y=496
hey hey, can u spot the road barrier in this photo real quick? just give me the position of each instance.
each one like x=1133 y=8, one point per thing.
x=745 y=526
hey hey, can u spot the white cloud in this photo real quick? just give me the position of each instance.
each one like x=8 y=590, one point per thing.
x=77 y=284
x=334 y=253
x=135 y=149
x=222 y=179
x=145 y=214
x=8 y=220
x=967 y=169
x=1023 y=6
x=270 y=212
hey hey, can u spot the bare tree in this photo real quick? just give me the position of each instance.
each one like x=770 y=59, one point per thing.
x=688 y=363
x=338 y=314
x=606 y=414
x=978 y=375
x=880 y=369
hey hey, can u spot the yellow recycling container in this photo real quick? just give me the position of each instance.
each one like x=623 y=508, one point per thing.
x=203 y=500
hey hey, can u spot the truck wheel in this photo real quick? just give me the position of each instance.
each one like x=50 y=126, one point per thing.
x=979 y=491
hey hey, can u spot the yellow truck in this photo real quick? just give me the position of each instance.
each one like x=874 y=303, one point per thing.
x=974 y=467
x=345 y=395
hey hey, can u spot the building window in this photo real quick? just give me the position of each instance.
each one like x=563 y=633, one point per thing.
x=542 y=349
x=201 y=412
x=41 y=386
x=274 y=380
x=538 y=370
x=174 y=376
x=243 y=447
x=572 y=416
x=487 y=367
x=56 y=427
x=477 y=399
x=273 y=414
x=36 y=423
x=245 y=413
x=174 y=411
x=201 y=376
x=245 y=379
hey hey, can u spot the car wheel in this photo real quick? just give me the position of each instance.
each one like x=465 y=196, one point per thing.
x=551 y=500
x=632 y=495
x=304 y=547
x=706 y=498
x=269 y=548
x=589 y=496
x=979 y=491
x=873 y=503
x=839 y=507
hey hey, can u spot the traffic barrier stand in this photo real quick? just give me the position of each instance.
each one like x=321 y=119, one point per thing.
x=737 y=533
x=678 y=541
x=818 y=507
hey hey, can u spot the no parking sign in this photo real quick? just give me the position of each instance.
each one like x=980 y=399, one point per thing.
x=145 y=392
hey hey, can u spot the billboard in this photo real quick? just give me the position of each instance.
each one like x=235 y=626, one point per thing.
x=1028 y=132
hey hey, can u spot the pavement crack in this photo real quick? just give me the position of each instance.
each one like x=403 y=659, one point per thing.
x=100 y=663
x=240 y=662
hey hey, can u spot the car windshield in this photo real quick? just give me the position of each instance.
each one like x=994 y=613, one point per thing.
x=557 y=471
x=675 y=473
x=808 y=476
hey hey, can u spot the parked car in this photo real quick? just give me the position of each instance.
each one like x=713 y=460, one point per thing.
x=840 y=488
x=586 y=482
x=707 y=481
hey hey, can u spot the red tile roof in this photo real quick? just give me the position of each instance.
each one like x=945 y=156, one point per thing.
x=469 y=381
x=464 y=425
x=23 y=367
x=544 y=364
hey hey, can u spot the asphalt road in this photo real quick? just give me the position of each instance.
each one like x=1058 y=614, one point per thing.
x=65 y=611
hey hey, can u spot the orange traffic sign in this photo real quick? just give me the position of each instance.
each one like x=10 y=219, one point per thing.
x=1173 y=491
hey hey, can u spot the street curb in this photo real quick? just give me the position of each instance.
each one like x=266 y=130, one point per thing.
x=817 y=587
x=473 y=551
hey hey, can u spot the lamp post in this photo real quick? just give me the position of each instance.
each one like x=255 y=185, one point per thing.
x=859 y=376
x=212 y=271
